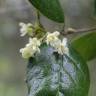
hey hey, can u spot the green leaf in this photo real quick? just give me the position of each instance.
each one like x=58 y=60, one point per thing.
x=49 y=8
x=86 y=46
x=50 y=74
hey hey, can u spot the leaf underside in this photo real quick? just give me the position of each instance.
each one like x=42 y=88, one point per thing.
x=50 y=74
x=49 y=8
x=86 y=46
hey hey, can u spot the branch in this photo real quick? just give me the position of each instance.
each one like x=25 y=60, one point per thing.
x=38 y=16
x=71 y=31
x=38 y=19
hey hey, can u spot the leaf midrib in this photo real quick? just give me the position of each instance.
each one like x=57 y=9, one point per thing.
x=70 y=77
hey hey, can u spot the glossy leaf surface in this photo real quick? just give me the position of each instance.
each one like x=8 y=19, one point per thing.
x=49 y=8
x=50 y=74
x=86 y=46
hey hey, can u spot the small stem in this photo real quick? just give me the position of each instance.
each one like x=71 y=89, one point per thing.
x=78 y=31
x=33 y=27
x=38 y=17
x=63 y=28
x=38 y=20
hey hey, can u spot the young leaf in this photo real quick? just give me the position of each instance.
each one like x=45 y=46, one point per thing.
x=86 y=46
x=49 y=8
x=50 y=74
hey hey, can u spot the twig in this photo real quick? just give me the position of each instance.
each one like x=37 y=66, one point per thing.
x=71 y=31
x=63 y=27
x=38 y=17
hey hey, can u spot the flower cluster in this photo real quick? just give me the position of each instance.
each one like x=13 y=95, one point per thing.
x=51 y=39
x=31 y=48
x=60 y=46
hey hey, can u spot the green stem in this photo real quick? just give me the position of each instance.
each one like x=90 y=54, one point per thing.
x=63 y=27
x=38 y=18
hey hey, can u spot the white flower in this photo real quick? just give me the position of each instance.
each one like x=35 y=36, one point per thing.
x=62 y=47
x=25 y=28
x=59 y=46
x=52 y=38
x=56 y=33
x=25 y=52
x=65 y=42
x=34 y=41
x=31 y=48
